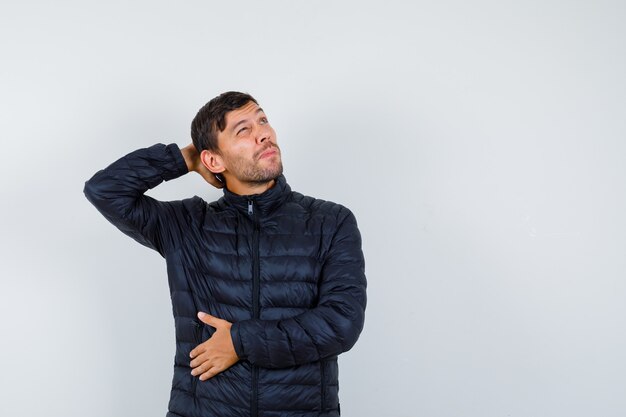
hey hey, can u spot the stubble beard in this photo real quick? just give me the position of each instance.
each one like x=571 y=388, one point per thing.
x=260 y=175
x=255 y=173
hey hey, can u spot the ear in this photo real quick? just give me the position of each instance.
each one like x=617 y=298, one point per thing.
x=212 y=161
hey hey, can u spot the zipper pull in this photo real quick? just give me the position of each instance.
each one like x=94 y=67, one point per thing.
x=250 y=208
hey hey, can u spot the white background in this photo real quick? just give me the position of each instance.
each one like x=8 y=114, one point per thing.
x=480 y=144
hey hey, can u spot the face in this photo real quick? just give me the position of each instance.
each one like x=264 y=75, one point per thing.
x=249 y=152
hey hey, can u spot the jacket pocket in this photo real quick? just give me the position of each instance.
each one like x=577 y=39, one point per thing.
x=322 y=386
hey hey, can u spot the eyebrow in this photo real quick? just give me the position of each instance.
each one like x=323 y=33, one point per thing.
x=259 y=110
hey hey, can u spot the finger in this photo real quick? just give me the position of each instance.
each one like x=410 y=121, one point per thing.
x=202 y=368
x=199 y=360
x=209 y=319
x=198 y=350
x=194 y=352
x=214 y=181
x=209 y=374
x=211 y=178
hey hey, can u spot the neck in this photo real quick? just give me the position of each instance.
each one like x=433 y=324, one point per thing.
x=249 y=188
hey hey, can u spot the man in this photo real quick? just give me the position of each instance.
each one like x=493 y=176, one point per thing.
x=267 y=285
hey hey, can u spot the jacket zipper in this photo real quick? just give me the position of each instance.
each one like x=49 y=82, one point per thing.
x=256 y=288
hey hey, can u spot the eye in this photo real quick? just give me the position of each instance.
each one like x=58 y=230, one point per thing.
x=241 y=130
x=264 y=120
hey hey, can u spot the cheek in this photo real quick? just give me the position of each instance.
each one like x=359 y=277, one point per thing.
x=238 y=153
x=240 y=148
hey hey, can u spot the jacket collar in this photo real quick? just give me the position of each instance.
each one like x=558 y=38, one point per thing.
x=263 y=203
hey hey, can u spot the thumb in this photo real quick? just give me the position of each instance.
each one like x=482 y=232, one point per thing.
x=209 y=319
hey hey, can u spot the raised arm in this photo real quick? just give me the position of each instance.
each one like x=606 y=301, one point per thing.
x=332 y=327
x=118 y=192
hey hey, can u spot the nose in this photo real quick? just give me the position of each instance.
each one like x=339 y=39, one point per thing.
x=262 y=134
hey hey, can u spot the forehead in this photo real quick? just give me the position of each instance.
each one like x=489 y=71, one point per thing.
x=247 y=111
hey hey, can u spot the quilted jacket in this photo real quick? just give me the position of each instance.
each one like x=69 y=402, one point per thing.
x=286 y=269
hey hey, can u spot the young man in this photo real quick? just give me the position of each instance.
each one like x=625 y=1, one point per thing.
x=267 y=285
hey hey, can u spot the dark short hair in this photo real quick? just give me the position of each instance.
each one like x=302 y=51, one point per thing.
x=211 y=118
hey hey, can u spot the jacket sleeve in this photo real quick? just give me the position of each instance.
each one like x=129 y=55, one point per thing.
x=118 y=193
x=332 y=327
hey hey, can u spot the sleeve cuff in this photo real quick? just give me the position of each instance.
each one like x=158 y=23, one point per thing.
x=178 y=166
x=237 y=343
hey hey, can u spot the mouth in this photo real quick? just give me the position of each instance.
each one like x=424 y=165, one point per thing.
x=269 y=152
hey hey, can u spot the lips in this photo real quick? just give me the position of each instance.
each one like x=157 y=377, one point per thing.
x=269 y=152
